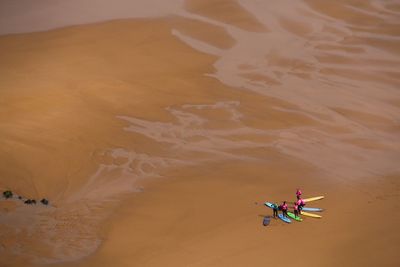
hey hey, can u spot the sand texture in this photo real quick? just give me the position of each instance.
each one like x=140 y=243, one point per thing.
x=158 y=131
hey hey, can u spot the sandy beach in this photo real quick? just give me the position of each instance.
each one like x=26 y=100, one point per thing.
x=158 y=131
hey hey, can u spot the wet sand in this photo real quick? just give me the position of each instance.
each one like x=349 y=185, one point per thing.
x=212 y=219
x=158 y=139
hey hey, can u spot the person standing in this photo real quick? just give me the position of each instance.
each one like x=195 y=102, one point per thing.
x=275 y=209
x=300 y=204
x=296 y=209
x=284 y=208
x=298 y=193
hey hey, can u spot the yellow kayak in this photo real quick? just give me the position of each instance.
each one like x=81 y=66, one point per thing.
x=310 y=214
x=313 y=198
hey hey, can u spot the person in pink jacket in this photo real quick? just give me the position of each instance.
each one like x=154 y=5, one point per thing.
x=296 y=209
x=298 y=193
x=300 y=203
x=284 y=208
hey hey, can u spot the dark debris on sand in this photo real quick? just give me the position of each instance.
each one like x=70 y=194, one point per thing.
x=9 y=194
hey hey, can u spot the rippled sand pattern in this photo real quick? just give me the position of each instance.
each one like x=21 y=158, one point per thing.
x=331 y=60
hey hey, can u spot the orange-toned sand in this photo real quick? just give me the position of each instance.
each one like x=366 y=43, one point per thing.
x=158 y=140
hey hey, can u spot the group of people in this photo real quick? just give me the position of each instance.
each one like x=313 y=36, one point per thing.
x=298 y=206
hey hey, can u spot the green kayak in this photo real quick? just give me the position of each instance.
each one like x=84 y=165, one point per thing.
x=291 y=215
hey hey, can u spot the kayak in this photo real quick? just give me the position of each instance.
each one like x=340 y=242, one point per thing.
x=283 y=218
x=313 y=198
x=310 y=214
x=312 y=209
x=294 y=217
x=269 y=205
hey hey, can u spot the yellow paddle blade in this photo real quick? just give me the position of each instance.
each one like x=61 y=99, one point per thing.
x=313 y=198
x=310 y=214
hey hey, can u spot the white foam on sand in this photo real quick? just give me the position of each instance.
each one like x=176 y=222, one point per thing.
x=318 y=81
x=303 y=59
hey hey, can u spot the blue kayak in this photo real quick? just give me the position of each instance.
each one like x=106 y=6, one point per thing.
x=312 y=209
x=285 y=219
x=269 y=205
